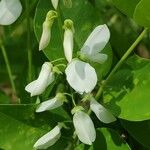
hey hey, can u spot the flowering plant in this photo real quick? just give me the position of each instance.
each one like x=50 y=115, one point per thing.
x=81 y=88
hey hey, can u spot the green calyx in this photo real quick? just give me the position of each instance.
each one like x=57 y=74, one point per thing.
x=76 y=109
x=50 y=64
x=56 y=70
x=51 y=15
x=68 y=24
x=87 y=97
x=81 y=56
x=61 y=97
x=62 y=125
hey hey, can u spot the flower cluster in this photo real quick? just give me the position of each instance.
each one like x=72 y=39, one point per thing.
x=80 y=75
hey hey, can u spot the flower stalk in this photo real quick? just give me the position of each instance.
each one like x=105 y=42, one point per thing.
x=8 y=67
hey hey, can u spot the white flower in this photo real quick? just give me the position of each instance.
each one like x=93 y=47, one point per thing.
x=55 y=3
x=10 y=10
x=101 y=112
x=46 y=33
x=81 y=76
x=53 y=103
x=46 y=77
x=68 y=39
x=84 y=127
x=48 y=139
x=95 y=43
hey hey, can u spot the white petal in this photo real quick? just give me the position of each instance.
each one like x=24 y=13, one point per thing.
x=55 y=3
x=68 y=44
x=51 y=78
x=46 y=35
x=101 y=112
x=10 y=10
x=38 y=86
x=49 y=105
x=99 y=58
x=30 y=87
x=48 y=139
x=84 y=127
x=97 y=40
x=81 y=76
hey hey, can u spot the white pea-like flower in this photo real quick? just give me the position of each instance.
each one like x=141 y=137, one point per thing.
x=55 y=3
x=49 y=138
x=10 y=10
x=46 y=77
x=46 y=36
x=46 y=32
x=53 y=103
x=68 y=39
x=81 y=76
x=101 y=112
x=84 y=127
x=95 y=43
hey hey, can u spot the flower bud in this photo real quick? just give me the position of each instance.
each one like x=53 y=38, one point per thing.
x=53 y=103
x=46 y=77
x=46 y=33
x=101 y=112
x=10 y=10
x=55 y=3
x=68 y=39
x=84 y=127
x=49 y=138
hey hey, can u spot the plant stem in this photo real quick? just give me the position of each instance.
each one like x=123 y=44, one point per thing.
x=29 y=41
x=59 y=59
x=60 y=22
x=8 y=67
x=61 y=65
x=73 y=101
x=23 y=16
x=128 y=52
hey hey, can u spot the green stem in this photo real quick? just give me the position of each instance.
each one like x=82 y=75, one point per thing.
x=61 y=65
x=60 y=22
x=8 y=67
x=140 y=37
x=23 y=16
x=73 y=101
x=29 y=41
x=59 y=59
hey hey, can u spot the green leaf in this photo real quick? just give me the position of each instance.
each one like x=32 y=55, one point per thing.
x=86 y=21
x=142 y=13
x=20 y=127
x=126 y=6
x=139 y=130
x=4 y=99
x=127 y=94
x=109 y=139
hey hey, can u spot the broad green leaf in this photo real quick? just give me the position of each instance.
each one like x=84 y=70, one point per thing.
x=126 y=6
x=142 y=13
x=139 y=130
x=109 y=139
x=127 y=94
x=4 y=99
x=20 y=127
x=86 y=21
